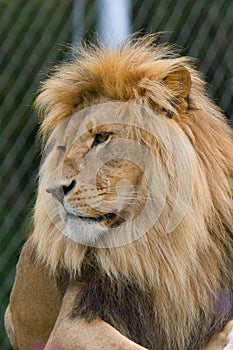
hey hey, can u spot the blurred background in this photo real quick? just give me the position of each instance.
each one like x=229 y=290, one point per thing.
x=35 y=35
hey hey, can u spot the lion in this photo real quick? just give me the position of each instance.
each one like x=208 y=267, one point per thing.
x=132 y=246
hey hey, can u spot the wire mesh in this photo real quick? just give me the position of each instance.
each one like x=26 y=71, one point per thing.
x=33 y=38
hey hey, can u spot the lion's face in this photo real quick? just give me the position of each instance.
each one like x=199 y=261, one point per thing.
x=98 y=169
x=110 y=174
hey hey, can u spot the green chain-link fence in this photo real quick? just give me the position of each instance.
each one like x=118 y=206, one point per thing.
x=33 y=37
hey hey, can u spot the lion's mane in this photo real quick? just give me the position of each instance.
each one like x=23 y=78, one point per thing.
x=187 y=274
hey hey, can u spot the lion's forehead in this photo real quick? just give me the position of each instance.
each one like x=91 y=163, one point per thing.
x=123 y=118
x=96 y=115
x=115 y=114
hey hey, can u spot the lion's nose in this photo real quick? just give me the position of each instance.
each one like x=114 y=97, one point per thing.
x=60 y=191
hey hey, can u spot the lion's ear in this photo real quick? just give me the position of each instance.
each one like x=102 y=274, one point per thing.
x=179 y=81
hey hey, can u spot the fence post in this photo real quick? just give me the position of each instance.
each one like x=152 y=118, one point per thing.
x=114 y=20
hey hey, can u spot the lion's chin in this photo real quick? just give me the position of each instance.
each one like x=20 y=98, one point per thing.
x=83 y=230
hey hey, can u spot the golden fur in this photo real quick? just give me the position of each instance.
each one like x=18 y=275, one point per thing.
x=190 y=267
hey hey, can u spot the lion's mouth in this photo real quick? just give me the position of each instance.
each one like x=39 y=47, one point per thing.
x=106 y=217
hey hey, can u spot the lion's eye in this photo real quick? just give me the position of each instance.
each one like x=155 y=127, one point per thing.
x=101 y=138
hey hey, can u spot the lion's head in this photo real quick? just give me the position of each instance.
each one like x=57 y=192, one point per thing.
x=95 y=182
x=106 y=164
x=138 y=165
